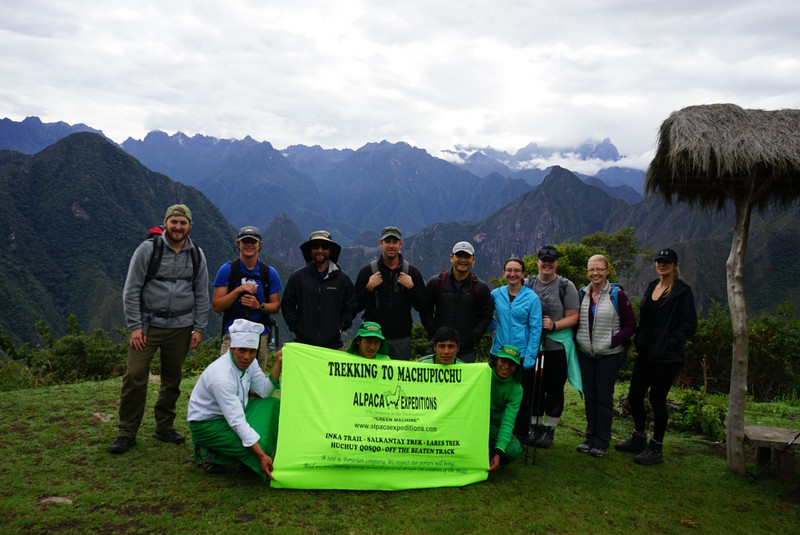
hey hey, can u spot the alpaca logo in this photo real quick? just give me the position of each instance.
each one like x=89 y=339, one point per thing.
x=393 y=398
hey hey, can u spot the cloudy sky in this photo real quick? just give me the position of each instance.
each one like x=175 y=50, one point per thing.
x=432 y=73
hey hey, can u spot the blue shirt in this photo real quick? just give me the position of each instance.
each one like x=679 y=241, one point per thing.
x=223 y=277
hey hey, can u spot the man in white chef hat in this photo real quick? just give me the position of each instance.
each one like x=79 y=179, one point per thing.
x=227 y=426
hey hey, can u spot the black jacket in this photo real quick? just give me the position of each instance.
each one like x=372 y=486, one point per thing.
x=665 y=325
x=389 y=304
x=458 y=308
x=318 y=311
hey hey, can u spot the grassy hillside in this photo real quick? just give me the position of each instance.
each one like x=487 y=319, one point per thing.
x=58 y=477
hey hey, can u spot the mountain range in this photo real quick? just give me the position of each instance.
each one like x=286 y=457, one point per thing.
x=73 y=212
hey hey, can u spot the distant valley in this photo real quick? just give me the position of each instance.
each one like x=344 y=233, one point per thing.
x=74 y=210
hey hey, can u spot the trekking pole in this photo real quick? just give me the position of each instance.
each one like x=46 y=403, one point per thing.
x=530 y=410
x=538 y=370
x=784 y=448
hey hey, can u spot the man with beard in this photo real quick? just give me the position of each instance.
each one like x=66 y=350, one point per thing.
x=319 y=302
x=460 y=300
x=387 y=288
x=166 y=307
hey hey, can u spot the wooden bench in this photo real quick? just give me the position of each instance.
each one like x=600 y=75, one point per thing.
x=766 y=439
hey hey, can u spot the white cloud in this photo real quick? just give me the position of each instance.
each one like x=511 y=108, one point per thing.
x=431 y=73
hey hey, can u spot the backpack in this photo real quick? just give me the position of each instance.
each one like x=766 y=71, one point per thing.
x=562 y=287
x=234 y=280
x=473 y=287
x=158 y=253
x=374 y=267
x=154 y=235
x=614 y=292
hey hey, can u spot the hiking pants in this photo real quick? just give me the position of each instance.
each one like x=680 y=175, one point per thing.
x=174 y=344
x=659 y=377
x=599 y=374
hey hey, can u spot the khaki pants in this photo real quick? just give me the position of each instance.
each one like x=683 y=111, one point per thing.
x=174 y=344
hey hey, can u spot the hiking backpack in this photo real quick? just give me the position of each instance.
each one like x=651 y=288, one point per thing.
x=234 y=280
x=158 y=252
x=614 y=292
x=473 y=287
x=374 y=267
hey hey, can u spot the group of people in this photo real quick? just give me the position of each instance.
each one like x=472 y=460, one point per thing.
x=544 y=331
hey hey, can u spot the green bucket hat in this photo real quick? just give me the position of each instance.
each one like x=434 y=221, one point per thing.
x=510 y=352
x=366 y=330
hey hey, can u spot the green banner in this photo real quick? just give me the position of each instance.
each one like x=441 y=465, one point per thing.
x=352 y=423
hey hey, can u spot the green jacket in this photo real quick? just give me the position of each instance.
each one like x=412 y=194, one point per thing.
x=505 y=401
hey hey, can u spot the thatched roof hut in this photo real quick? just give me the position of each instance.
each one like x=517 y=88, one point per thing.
x=707 y=154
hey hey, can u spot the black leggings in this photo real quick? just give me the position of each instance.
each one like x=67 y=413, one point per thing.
x=548 y=397
x=659 y=378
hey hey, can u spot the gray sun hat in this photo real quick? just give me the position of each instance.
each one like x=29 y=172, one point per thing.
x=320 y=236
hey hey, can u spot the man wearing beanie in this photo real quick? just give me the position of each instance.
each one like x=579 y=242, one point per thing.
x=166 y=307
x=227 y=426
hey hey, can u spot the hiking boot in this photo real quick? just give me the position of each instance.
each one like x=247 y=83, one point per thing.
x=546 y=437
x=651 y=455
x=586 y=447
x=212 y=468
x=121 y=445
x=598 y=452
x=536 y=433
x=635 y=444
x=207 y=463
x=171 y=437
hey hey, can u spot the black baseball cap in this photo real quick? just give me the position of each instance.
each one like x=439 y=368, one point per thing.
x=668 y=255
x=548 y=251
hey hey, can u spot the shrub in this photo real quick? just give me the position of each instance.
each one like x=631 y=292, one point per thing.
x=697 y=415
x=14 y=376
x=201 y=356
x=75 y=357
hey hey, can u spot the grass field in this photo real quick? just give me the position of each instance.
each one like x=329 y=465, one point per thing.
x=57 y=477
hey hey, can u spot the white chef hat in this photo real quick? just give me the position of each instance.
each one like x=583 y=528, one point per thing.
x=245 y=333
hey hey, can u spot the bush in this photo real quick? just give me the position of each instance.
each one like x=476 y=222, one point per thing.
x=773 y=353
x=201 y=356
x=14 y=376
x=75 y=357
x=697 y=415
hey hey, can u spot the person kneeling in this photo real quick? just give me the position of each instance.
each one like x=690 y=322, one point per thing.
x=505 y=400
x=227 y=426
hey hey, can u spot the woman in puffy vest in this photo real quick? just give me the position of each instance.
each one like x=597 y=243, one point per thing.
x=605 y=321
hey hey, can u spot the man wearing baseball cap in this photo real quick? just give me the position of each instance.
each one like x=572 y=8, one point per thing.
x=166 y=307
x=387 y=289
x=248 y=288
x=459 y=299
